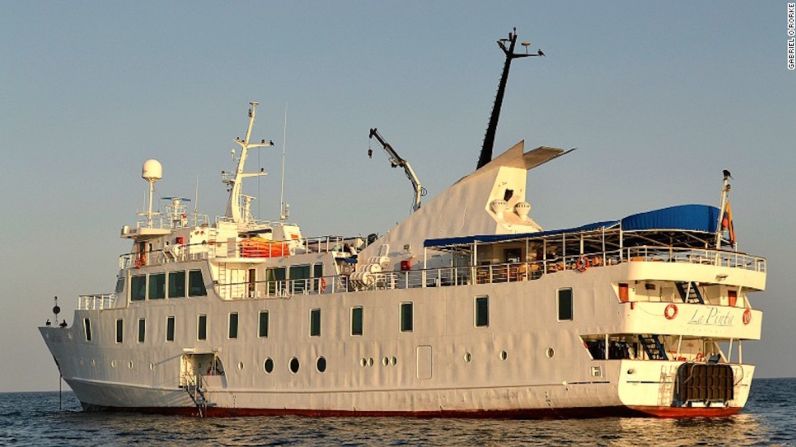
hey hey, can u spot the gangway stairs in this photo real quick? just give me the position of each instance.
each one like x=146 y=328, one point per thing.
x=652 y=346
x=689 y=292
x=197 y=393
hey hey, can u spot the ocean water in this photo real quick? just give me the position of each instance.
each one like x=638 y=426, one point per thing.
x=34 y=419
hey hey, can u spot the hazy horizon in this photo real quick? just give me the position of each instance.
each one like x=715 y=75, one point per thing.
x=658 y=98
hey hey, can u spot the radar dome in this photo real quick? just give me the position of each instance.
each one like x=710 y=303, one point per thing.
x=152 y=170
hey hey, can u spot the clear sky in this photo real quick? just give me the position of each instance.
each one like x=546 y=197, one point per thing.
x=658 y=98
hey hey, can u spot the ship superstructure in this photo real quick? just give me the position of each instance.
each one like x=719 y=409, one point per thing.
x=468 y=307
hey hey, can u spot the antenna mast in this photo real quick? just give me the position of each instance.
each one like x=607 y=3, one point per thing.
x=489 y=138
x=236 y=183
x=283 y=207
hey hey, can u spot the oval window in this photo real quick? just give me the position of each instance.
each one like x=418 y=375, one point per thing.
x=294 y=365
x=321 y=364
x=240 y=365
x=268 y=365
x=503 y=355
x=468 y=357
x=385 y=361
x=550 y=353
x=394 y=361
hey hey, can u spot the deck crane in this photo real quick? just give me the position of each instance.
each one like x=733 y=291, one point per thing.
x=397 y=161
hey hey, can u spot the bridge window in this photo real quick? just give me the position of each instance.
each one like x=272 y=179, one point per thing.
x=157 y=286
x=315 y=323
x=482 y=311
x=119 y=331
x=138 y=288
x=196 y=285
x=299 y=276
x=356 y=320
x=407 y=320
x=119 y=285
x=263 y=329
x=233 y=325
x=141 y=330
x=201 y=328
x=177 y=284
x=564 y=304
x=87 y=328
x=170 y=329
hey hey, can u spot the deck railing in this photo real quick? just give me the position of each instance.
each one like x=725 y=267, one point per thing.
x=209 y=250
x=486 y=274
x=96 y=301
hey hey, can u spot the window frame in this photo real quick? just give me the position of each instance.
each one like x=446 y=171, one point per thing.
x=132 y=289
x=171 y=321
x=315 y=322
x=87 y=329
x=230 y=334
x=201 y=335
x=260 y=323
x=142 y=330
x=411 y=316
x=361 y=310
x=201 y=283
x=480 y=298
x=571 y=304
x=119 y=331
x=150 y=283
x=169 y=284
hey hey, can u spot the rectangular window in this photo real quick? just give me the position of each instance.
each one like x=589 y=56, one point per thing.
x=407 y=323
x=315 y=323
x=119 y=285
x=87 y=328
x=299 y=277
x=141 y=330
x=119 y=331
x=196 y=285
x=138 y=288
x=233 y=325
x=157 y=286
x=564 y=304
x=317 y=273
x=356 y=320
x=177 y=284
x=482 y=311
x=170 y=329
x=252 y=283
x=201 y=328
x=262 y=331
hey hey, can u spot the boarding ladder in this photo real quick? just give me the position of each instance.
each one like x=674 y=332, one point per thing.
x=196 y=391
x=652 y=346
x=691 y=294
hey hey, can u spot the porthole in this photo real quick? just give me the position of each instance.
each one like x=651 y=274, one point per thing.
x=503 y=355
x=240 y=366
x=385 y=361
x=113 y=363
x=152 y=366
x=93 y=363
x=370 y=361
x=468 y=357
x=294 y=365
x=130 y=364
x=363 y=361
x=394 y=361
x=550 y=352
x=268 y=365
x=321 y=364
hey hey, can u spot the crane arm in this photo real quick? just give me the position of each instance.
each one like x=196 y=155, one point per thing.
x=397 y=161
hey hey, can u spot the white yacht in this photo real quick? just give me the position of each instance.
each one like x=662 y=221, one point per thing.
x=466 y=308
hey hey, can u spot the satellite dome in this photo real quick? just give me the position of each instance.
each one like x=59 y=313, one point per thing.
x=152 y=170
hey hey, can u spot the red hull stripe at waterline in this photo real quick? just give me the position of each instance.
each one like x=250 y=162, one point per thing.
x=538 y=413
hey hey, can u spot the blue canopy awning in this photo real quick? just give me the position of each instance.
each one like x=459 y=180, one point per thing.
x=702 y=218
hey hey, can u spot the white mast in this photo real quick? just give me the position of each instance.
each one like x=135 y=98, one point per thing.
x=236 y=183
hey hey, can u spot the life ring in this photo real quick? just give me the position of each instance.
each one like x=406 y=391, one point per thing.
x=582 y=264
x=139 y=262
x=747 y=316
x=670 y=312
x=699 y=357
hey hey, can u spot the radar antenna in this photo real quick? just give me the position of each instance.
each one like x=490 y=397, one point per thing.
x=489 y=138
x=397 y=161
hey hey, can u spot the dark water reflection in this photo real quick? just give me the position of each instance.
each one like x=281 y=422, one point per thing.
x=33 y=419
